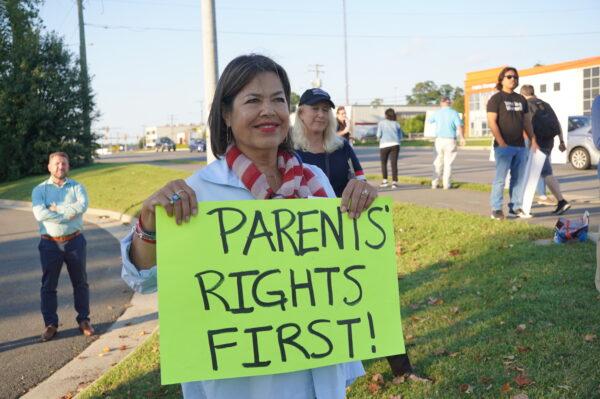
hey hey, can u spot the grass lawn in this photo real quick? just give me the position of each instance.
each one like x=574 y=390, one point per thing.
x=485 y=311
x=109 y=186
x=426 y=181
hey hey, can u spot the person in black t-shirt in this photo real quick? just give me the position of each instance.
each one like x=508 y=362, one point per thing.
x=506 y=118
x=546 y=143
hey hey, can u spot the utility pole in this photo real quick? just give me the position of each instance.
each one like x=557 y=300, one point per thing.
x=171 y=127
x=210 y=58
x=85 y=90
x=317 y=81
x=346 y=53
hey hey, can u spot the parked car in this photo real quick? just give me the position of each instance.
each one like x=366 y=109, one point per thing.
x=577 y=121
x=197 y=145
x=165 y=143
x=364 y=132
x=581 y=149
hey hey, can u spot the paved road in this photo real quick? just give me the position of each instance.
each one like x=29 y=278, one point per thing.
x=25 y=361
x=470 y=166
x=473 y=166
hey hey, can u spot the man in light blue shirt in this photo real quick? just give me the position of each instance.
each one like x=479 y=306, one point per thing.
x=58 y=205
x=447 y=126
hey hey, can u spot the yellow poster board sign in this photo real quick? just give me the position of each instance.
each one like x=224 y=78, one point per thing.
x=264 y=287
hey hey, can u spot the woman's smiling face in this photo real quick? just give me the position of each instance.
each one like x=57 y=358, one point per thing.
x=259 y=117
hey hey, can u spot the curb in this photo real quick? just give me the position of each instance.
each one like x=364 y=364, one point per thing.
x=127 y=333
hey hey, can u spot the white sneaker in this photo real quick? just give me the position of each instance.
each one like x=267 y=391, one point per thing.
x=394 y=185
x=384 y=185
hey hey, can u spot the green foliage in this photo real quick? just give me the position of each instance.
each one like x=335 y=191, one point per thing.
x=40 y=95
x=376 y=102
x=294 y=100
x=429 y=93
x=416 y=124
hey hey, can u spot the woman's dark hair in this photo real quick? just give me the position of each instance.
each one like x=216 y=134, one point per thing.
x=236 y=75
x=390 y=114
x=503 y=73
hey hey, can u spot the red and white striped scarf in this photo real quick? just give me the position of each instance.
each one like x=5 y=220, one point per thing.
x=298 y=180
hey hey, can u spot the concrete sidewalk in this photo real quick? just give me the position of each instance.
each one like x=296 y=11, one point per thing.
x=478 y=203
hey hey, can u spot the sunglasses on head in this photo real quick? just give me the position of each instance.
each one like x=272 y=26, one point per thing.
x=511 y=76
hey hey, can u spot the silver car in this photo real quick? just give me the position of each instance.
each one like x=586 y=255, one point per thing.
x=581 y=149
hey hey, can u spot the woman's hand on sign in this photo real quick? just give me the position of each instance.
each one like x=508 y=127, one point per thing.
x=357 y=196
x=176 y=197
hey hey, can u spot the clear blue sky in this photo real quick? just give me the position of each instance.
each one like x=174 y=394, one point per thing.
x=147 y=64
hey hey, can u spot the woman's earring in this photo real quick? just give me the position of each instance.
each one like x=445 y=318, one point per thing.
x=229 y=135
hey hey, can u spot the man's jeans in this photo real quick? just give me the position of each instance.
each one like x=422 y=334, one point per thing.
x=513 y=159
x=53 y=254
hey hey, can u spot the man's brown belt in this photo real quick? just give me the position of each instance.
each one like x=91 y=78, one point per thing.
x=61 y=238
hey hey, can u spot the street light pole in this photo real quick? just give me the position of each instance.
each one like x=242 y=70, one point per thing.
x=85 y=90
x=346 y=53
x=211 y=69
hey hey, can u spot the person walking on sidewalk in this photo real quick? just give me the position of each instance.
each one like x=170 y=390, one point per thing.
x=447 y=124
x=58 y=205
x=545 y=126
x=506 y=118
x=389 y=134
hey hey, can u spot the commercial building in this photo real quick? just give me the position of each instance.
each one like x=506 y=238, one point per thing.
x=365 y=118
x=180 y=134
x=568 y=86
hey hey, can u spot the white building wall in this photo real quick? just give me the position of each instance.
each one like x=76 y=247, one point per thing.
x=567 y=101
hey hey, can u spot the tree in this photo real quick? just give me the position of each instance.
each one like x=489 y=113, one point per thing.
x=416 y=124
x=429 y=93
x=458 y=101
x=424 y=93
x=376 y=102
x=40 y=95
x=294 y=100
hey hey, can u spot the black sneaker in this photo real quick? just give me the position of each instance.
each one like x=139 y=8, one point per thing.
x=497 y=215
x=512 y=213
x=521 y=214
x=562 y=207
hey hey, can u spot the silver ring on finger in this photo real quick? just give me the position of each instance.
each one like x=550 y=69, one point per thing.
x=364 y=192
x=174 y=198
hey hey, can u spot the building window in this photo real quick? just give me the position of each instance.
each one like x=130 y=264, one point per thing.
x=591 y=87
x=474 y=102
x=485 y=131
x=556 y=86
x=542 y=88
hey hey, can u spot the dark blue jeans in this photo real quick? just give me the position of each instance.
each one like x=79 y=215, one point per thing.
x=53 y=254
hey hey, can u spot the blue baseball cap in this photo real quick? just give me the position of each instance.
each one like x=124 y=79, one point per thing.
x=315 y=96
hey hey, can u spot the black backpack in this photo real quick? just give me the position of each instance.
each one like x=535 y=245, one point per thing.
x=544 y=121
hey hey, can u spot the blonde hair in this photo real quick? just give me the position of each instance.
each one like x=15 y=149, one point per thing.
x=331 y=141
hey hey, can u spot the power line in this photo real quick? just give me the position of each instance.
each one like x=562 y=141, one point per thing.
x=400 y=13
x=333 y=35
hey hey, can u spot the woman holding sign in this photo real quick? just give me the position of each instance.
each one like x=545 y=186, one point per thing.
x=249 y=124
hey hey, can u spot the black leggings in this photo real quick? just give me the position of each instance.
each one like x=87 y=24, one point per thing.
x=386 y=152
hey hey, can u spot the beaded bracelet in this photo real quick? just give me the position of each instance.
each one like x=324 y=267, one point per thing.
x=146 y=236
